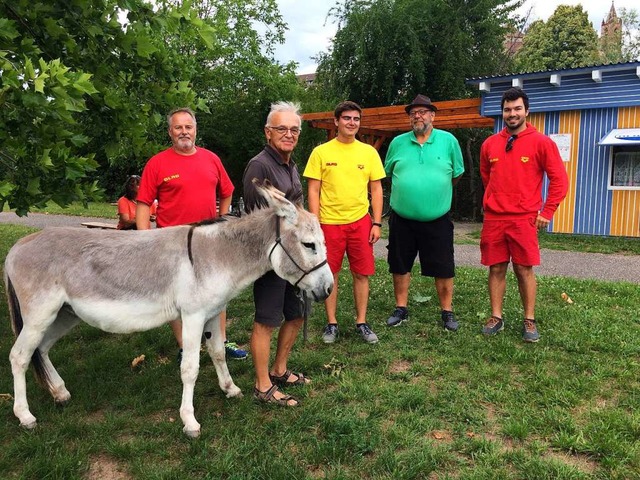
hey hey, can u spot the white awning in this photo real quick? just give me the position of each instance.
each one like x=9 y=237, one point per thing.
x=621 y=136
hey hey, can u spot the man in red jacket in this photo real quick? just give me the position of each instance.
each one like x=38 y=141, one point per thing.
x=512 y=166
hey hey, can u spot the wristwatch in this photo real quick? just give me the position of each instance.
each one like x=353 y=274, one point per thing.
x=376 y=224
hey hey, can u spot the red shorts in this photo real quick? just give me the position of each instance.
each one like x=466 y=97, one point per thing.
x=505 y=240
x=352 y=238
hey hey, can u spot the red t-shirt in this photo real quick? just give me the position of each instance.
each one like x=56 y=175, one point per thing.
x=186 y=186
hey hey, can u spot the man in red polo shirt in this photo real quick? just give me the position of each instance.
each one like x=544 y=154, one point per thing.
x=186 y=180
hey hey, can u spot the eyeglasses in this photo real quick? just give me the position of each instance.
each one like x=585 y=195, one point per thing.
x=420 y=113
x=348 y=118
x=295 y=131
x=509 y=144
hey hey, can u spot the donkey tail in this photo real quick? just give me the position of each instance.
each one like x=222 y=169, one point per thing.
x=15 y=315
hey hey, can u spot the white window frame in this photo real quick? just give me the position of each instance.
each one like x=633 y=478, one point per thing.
x=617 y=149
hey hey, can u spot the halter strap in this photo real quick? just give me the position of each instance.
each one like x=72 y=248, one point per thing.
x=279 y=242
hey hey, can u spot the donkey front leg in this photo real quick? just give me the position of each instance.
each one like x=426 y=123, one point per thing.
x=215 y=347
x=192 y=326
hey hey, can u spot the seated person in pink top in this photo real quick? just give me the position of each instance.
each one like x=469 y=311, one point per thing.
x=127 y=204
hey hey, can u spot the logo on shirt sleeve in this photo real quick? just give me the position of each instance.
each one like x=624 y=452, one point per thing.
x=493 y=160
x=524 y=159
x=171 y=177
x=331 y=164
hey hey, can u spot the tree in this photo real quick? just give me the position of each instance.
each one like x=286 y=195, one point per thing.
x=84 y=97
x=630 y=35
x=387 y=50
x=566 y=40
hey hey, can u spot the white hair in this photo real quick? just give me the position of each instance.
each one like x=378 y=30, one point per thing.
x=278 y=107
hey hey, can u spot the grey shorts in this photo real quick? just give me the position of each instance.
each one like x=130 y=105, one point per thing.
x=275 y=299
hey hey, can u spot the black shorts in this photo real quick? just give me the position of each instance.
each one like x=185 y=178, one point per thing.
x=432 y=241
x=274 y=298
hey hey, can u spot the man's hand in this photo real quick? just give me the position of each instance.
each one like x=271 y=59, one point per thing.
x=542 y=223
x=374 y=234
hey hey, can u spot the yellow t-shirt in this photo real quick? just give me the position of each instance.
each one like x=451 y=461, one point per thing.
x=345 y=170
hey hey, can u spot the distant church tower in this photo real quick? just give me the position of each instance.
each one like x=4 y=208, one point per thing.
x=611 y=37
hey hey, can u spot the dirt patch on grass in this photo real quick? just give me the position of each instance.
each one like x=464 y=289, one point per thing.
x=106 y=468
x=399 y=366
x=580 y=462
x=441 y=436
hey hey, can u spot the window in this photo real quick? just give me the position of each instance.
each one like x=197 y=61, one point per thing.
x=625 y=167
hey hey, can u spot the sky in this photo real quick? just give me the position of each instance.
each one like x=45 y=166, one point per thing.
x=310 y=31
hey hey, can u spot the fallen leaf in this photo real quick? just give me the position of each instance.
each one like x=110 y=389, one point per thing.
x=421 y=298
x=566 y=298
x=6 y=396
x=471 y=434
x=137 y=361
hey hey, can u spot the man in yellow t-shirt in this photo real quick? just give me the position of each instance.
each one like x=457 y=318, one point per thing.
x=341 y=173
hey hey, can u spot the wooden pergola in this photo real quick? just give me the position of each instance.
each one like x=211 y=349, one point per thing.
x=380 y=123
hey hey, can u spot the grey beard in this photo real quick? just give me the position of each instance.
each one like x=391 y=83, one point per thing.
x=420 y=130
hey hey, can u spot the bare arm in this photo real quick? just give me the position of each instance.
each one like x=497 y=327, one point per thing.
x=143 y=216
x=125 y=221
x=224 y=205
x=313 y=196
x=375 y=188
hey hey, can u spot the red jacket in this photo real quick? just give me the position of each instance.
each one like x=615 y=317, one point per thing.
x=513 y=179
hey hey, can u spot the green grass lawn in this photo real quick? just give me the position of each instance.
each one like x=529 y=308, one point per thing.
x=93 y=209
x=421 y=404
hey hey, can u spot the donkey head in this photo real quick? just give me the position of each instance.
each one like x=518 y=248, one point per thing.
x=299 y=254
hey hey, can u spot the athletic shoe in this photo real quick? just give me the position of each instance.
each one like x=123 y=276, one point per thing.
x=366 y=333
x=232 y=351
x=330 y=333
x=493 y=326
x=449 y=320
x=399 y=315
x=529 y=331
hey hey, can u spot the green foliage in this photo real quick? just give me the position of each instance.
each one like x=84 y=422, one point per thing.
x=566 y=40
x=387 y=50
x=630 y=35
x=86 y=96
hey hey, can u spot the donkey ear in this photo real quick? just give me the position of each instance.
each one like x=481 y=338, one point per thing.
x=276 y=199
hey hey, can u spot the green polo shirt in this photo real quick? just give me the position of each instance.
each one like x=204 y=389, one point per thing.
x=421 y=175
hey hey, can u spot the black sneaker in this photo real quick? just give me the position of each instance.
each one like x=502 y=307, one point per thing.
x=449 y=320
x=399 y=315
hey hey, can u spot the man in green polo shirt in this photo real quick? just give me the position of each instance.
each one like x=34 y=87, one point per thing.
x=424 y=165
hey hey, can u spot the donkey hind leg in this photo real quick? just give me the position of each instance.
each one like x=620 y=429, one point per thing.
x=29 y=339
x=215 y=347
x=192 y=326
x=63 y=324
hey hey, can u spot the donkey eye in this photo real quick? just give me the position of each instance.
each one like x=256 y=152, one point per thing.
x=311 y=246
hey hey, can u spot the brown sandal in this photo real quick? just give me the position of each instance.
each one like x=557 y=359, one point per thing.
x=282 y=380
x=268 y=397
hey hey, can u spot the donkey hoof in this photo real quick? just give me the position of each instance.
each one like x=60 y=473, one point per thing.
x=62 y=399
x=191 y=433
x=30 y=425
x=234 y=392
